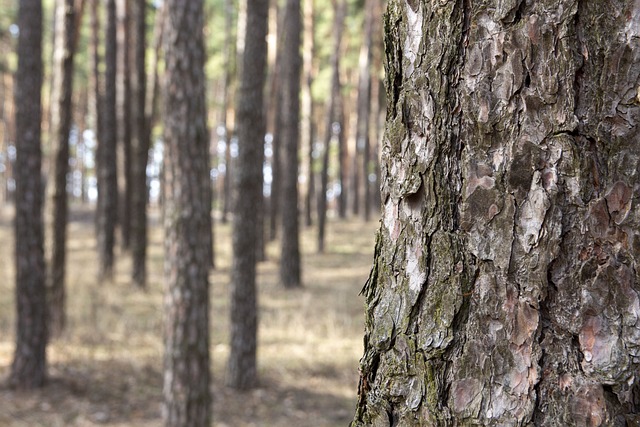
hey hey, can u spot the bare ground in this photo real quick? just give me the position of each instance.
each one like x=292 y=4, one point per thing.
x=107 y=368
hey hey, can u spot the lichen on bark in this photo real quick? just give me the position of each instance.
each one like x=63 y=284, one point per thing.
x=505 y=287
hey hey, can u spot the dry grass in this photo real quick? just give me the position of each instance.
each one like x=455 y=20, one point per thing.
x=107 y=368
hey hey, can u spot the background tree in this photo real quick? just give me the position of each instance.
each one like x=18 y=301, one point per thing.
x=334 y=126
x=247 y=223
x=505 y=286
x=123 y=117
x=61 y=117
x=139 y=145
x=28 y=369
x=291 y=64
x=187 y=219
x=107 y=209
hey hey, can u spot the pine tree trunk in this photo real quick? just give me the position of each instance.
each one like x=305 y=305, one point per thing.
x=307 y=128
x=290 y=275
x=139 y=146
x=187 y=219
x=340 y=10
x=123 y=117
x=61 y=100
x=363 y=143
x=28 y=369
x=505 y=287
x=107 y=161
x=334 y=126
x=247 y=223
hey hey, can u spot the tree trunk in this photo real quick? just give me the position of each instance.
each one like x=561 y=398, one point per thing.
x=28 y=369
x=334 y=124
x=95 y=99
x=227 y=103
x=124 y=114
x=307 y=129
x=340 y=10
x=61 y=100
x=290 y=256
x=247 y=222
x=505 y=285
x=274 y=124
x=107 y=169
x=187 y=219
x=363 y=130
x=139 y=146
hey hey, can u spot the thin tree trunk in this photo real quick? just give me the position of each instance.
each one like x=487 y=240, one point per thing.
x=61 y=112
x=28 y=369
x=290 y=274
x=274 y=124
x=139 y=146
x=334 y=125
x=227 y=104
x=187 y=219
x=124 y=114
x=107 y=162
x=364 y=109
x=97 y=93
x=340 y=10
x=307 y=127
x=505 y=287
x=247 y=222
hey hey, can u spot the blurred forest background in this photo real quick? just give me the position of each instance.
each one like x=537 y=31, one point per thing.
x=102 y=88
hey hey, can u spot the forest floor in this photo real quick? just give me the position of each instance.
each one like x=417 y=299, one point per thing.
x=107 y=367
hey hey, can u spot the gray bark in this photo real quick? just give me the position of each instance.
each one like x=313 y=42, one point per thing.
x=290 y=269
x=187 y=219
x=107 y=209
x=28 y=369
x=61 y=100
x=505 y=286
x=139 y=146
x=247 y=222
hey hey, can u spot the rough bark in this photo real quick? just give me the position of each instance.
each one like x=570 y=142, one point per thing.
x=139 y=146
x=61 y=103
x=505 y=284
x=290 y=275
x=107 y=209
x=28 y=369
x=247 y=223
x=187 y=219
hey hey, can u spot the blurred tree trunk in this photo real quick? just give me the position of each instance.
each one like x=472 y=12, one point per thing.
x=363 y=130
x=505 y=287
x=274 y=123
x=291 y=63
x=96 y=96
x=334 y=124
x=107 y=210
x=378 y=110
x=61 y=115
x=187 y=219
x=139 y=145
x=247 y=221
x=123 y=117
x=227 y=103
x=28 y=369
x=340 y=10
x=308 y=130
